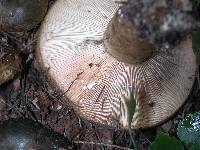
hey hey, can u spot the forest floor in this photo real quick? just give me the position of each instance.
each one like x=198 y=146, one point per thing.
x=29 y=95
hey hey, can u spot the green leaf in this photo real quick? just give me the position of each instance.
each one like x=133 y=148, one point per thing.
x=131 y=106
x=189 y=131
x=196 y=44
x=196 y=1
x=164 y=142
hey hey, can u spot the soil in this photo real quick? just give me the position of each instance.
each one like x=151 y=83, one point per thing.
x=29 y=95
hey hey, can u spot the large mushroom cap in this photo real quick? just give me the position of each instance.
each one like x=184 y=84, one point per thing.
x=71 y=48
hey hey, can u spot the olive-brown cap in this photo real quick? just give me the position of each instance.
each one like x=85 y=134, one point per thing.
x=10 y=62
x=21 y=15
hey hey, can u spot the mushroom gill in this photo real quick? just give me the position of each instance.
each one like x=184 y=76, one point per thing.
x=76 y=46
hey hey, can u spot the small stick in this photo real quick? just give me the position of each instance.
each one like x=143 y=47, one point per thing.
x=101 y=144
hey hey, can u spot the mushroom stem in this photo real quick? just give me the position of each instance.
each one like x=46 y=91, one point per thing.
x=122 y=42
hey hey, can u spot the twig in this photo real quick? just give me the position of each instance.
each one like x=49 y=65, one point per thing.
x=198 y=76
x=121 y=1
x=102 y=144
x=29 y=44
x=11 y=36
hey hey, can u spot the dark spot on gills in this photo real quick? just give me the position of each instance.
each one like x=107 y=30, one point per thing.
x=90 y=65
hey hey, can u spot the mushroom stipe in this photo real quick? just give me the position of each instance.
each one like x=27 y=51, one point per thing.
x=73 y=47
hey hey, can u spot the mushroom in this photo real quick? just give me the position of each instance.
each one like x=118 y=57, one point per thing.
x=9 y=64
x=93 y=56
x=20 y=15
x=29 y=135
